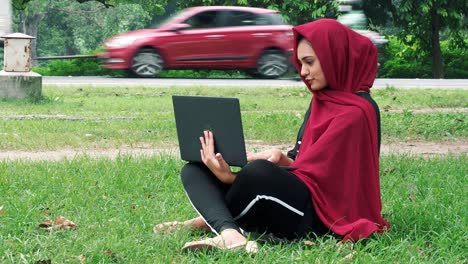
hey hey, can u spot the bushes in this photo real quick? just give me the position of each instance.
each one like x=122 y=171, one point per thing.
x=397 y=60
x=455 y=61
x=76 y=67
x=93 y=67
x=403 y=61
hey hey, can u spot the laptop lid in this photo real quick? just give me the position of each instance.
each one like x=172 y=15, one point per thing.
x=221 y=115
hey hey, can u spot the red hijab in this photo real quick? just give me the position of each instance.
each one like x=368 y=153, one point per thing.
x=338 y=159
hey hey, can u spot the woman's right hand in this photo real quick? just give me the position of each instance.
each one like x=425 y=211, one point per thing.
x=272 y=155
x=215 y=161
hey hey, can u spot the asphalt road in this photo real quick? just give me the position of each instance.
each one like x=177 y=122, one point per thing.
x=168 y=82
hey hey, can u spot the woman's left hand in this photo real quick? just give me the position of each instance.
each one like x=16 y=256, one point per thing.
x=215 y=161
x=273 y=155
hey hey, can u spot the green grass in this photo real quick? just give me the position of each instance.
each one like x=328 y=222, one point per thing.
x=115 y=204
x=429 y=126
x=113 y=117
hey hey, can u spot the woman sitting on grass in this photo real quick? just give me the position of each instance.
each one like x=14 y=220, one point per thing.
x=335 y=186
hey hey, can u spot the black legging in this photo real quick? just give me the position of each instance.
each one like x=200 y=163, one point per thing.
x=264 y=198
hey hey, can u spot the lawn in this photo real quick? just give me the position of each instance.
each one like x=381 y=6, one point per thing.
x=116 y=202
x=116 y=117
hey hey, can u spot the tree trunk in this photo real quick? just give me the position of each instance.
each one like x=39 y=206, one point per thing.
x=29 y=26
x=437 y=65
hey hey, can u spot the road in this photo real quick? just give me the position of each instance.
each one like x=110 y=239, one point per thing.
x=168 y=82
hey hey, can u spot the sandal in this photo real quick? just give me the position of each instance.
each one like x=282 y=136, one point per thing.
x=209 y=244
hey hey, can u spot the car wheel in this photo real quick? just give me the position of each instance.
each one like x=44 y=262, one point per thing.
x=272 y=64
x=147 y=63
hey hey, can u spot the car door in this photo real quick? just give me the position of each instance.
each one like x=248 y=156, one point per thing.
x=241 y=35
x=246 y=37
x=199 y=44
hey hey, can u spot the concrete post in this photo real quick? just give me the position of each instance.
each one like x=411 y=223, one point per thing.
x=16 y=79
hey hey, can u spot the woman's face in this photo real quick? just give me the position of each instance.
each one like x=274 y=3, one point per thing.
x=310 y=66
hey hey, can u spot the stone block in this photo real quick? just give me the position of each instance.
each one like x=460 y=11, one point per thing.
x=25 y=85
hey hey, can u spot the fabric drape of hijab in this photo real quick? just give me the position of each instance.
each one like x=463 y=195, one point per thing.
x=338 y=159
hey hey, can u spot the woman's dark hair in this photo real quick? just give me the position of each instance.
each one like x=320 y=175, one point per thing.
x=299 y=38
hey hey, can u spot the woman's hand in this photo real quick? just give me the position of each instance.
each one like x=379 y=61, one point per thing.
x=272 y=155
x=215 y=161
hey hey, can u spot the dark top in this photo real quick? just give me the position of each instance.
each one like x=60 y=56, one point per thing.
x=293 y=152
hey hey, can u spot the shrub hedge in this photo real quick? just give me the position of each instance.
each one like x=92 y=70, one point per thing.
x=76 y=67
x=402 y=61
x=397 y=60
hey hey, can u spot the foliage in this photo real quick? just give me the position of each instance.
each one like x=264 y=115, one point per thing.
x=417 y=16
x=153 y=6
x=455 y=60
x=294 y=12
x=76 y=67
x=83 y=27
x=64 y=34
x=423 y=20
x=79 y=19
x=403 y=61
x=376 y=11
x=93 y=67
x=78 y=26
x=407 y=61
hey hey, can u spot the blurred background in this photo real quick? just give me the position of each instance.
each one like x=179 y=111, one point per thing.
x=416 y=39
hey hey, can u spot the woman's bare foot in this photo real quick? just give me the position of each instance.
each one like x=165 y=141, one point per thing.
x=196 y=223
x=229 y=239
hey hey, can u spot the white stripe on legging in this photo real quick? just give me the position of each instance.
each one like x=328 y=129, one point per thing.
x=271 y=199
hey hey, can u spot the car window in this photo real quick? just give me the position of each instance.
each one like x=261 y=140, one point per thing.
x=240 y=18
x=208 y=19
x=269 y=19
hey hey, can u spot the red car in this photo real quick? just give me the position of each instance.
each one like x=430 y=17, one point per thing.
x=210 y=37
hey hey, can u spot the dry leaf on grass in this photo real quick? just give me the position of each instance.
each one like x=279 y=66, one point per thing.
x=309 y=243
x=2 y=212
x=112 y=255
x=59 y=223
x=47 y=261
x=345 y=245
x=46 y=224
x=348 y=257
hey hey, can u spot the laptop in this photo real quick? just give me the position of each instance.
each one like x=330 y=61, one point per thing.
x=222 y=116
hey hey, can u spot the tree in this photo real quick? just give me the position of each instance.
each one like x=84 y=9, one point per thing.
x=31 y=13
x=63 y=34
x=295 y=12
x=422 y=21
x=149 y=4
